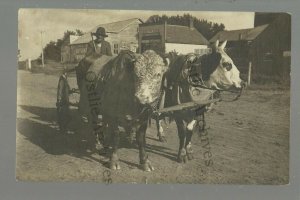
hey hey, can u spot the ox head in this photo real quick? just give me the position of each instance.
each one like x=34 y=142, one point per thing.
x=149 y=69
x=226 y=75
x=217 y=69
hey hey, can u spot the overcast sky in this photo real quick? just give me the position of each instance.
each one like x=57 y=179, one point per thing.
x=54 y=22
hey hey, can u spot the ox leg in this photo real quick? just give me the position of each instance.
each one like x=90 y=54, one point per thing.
x=107 y=139
x=114 y=159
x=182 y=157
x=188 y=145
x=141 y=140
x=130 y=132
x=160 y=131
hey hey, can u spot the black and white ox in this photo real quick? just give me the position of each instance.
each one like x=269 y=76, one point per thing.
x=214 y=71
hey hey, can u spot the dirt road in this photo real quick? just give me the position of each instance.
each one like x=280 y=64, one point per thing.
x=249 y=142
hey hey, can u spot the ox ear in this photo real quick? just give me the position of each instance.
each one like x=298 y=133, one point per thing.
x=167 y=61
x=223 y=45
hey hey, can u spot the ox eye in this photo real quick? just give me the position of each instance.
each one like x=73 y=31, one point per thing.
x=227 y=66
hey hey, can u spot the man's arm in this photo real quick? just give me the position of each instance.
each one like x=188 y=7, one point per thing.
x=90 y=49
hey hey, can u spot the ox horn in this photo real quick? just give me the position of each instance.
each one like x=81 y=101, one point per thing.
x=223 y=45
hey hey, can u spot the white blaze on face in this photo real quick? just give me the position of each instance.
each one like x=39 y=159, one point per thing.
x=235 y=77
x=226 y=74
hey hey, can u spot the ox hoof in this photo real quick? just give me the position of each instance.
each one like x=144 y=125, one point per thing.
x=114 y=165
x=162 y=139
x=114 y=162
x=182 y=157
x=147 y=166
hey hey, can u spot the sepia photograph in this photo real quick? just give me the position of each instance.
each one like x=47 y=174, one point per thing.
x=153 y=97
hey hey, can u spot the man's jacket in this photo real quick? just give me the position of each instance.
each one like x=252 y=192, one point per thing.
x=105 y=49
x=91 y=55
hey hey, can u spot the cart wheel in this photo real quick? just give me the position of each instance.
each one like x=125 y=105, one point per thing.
x=63 y=117
x=62 y=105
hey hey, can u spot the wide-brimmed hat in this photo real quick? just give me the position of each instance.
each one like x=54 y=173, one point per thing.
x=100 y=32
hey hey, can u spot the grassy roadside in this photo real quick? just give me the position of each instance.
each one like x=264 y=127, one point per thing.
x=51 y=67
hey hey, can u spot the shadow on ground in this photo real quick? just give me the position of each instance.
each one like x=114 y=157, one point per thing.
x=43 y=131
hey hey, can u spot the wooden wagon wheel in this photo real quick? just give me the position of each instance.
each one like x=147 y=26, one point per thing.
x=63 y=104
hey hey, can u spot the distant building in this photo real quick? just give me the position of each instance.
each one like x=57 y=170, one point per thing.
x=262 y=18
x=267 y=46
x=165 y=38
x=66 y=54
x=121 y=35
x=239 y=43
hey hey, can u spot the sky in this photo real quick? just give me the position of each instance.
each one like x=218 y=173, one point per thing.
x=54 y=22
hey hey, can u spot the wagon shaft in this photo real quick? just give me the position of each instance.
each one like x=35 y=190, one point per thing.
x=186 y=106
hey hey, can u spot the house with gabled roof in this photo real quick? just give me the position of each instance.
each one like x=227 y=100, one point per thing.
x=166 y=38
x=122 y=35
x=266 y=46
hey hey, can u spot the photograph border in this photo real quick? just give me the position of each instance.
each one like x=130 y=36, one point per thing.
x=11 y=189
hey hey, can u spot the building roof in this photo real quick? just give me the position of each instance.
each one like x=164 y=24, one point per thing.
x=242 y=34
x=114 y=27
x=184 y=35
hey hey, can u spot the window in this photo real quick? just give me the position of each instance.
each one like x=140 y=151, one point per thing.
x=202 y=51
x=197 y=51
x=116 y=48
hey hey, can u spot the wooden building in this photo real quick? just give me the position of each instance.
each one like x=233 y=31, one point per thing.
x=121 y=35
x=165 y=38
x=66 y=54
x=267 y=46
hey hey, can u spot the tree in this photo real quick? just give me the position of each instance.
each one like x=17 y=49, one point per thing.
x=206 y=28
x=52 y=50
x=79 y=32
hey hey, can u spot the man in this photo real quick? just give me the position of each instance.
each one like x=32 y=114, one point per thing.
x=99 y=46
x=95 y=49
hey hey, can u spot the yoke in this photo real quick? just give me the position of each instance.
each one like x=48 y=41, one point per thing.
x=187 y=106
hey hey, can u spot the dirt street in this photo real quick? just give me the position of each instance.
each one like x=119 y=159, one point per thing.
x=249 y=141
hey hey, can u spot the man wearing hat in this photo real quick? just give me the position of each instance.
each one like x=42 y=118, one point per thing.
x=95 y=49
x=99 y=45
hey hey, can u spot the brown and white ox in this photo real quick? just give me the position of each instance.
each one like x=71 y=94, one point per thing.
x=214 y=71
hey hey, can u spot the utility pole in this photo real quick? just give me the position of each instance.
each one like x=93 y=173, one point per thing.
x=43 y=63
x=249 y=72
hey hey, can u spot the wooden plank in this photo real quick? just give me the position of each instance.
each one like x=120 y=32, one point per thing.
x=185 y=106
